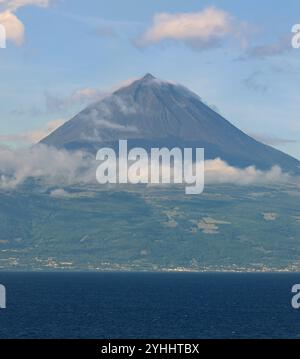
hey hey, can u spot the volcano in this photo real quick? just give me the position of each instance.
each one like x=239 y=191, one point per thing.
x=155 y=113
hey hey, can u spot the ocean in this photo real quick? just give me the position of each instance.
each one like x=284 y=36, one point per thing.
x=149 y=305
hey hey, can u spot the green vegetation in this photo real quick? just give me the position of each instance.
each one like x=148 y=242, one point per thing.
x=154 y=228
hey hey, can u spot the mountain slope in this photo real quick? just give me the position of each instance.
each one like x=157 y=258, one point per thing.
x=153 y=113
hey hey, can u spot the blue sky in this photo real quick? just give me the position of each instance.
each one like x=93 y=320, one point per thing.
x=70 y=51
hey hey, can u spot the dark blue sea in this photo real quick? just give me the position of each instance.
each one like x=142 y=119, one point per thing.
x=149 y=305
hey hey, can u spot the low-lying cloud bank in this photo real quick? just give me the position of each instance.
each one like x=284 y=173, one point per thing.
x=60 y=167
x=218 y=171
x=52 y=165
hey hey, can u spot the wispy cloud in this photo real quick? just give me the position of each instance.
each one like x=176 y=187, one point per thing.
x=80 y=97
x=33 y=136
x=13 y=5
x=66 y=105
x=277 y=48
x=272 y=140
x=106 y=31
x=200 y=30
x=255 y=82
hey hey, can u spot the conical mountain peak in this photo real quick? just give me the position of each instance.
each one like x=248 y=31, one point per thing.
x=154 y=113
x=148 y=76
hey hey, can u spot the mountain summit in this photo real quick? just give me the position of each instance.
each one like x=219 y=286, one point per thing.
x=155 y=113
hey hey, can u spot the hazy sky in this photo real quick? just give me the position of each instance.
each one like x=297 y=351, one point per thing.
x=236 y=55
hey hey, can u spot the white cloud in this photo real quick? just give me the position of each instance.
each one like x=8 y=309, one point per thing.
x=52 y=165
x=59 y=193
x=33 y=136
x=218 y=171
x=13 y=25
x=200 y=30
